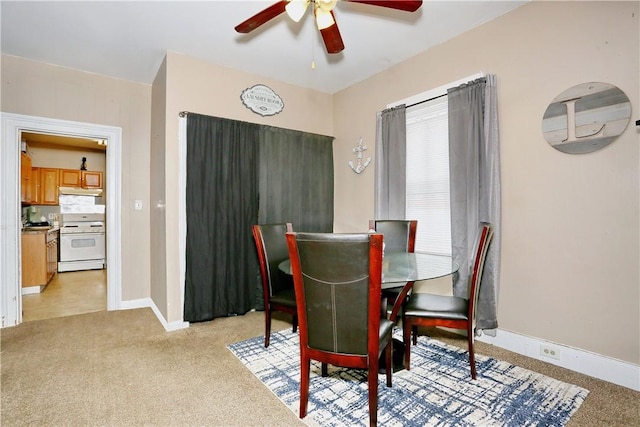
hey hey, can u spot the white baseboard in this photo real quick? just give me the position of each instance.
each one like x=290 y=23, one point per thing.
x=595 y=365
x=148 y=302
x=32 y=290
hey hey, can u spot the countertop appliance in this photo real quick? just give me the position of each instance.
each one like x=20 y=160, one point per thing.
x=82 y=242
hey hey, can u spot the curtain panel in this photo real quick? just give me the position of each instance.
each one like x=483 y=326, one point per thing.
x=474 y=158
x=296 y=179
x=391 y=163
x=240 y=174
x=221 y=206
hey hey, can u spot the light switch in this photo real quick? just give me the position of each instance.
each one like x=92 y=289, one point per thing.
x=137 y=205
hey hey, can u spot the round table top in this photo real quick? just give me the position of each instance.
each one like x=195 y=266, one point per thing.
x=399 y=268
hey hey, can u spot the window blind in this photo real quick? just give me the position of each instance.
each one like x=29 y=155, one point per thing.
x=428 y=175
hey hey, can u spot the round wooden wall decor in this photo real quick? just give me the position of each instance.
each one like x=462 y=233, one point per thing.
x=586 y=118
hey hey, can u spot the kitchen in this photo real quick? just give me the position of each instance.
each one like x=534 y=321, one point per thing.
x=63 y=225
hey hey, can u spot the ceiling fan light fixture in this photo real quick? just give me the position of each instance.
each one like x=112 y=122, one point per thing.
x=324 y=19
x=326 y=5
x=296 y=9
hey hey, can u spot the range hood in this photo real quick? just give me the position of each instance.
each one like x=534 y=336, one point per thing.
x=81 y=191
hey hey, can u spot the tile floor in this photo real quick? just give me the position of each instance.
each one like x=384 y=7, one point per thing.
x=69 y=293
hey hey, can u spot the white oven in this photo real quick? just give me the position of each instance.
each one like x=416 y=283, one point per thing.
x=82 y=242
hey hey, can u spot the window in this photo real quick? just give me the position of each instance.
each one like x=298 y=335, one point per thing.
x=427 y=191
x=427 y=166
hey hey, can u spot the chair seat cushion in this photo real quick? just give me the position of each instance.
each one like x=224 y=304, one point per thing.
x=437 y=306
x=286 y=298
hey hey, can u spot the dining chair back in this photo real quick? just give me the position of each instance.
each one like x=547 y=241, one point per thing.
x=429 y=310
x=277 y=288
x=399 y=236
x=337 y=280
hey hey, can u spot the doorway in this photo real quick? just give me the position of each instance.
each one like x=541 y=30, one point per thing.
x=10 y=263
x=81 y=289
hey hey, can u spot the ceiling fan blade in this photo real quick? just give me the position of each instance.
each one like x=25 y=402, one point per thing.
x=332 y=38
x=406 y=5
x=261 y=17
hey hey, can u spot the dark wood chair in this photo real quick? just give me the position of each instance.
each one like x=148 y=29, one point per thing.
x=399 y=236
x=429 y=310
x=337 y=279
x=277 y=288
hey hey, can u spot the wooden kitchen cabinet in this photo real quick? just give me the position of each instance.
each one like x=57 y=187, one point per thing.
x=39 y=257
x=70 y=178
x=91 y=179
x=80 y=179
x=45 y=191
x=44 y=186
x=26 y=179
x=35 y=186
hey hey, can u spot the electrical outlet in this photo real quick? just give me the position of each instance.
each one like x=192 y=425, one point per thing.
x=547 y=350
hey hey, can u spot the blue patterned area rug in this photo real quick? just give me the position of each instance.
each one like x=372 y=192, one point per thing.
x=437 y=391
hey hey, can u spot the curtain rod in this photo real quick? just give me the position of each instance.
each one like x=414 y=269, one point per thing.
x=183 y=113
x=425 y=100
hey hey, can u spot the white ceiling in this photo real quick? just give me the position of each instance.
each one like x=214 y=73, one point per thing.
x=128 y=39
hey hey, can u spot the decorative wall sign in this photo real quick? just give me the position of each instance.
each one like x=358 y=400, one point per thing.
x=262 y=100
x=359 y=166
x=586 y=118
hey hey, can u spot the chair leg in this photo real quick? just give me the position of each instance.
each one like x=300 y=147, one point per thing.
x=472 y=358
x=372 y=379
x=295 y=323
x=406 y=340
x=267 y=326
x=388 y=361
x=324 y=369
x=414 y=330
x=304 y=384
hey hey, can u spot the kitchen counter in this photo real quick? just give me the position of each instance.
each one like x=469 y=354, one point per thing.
x=39 y=229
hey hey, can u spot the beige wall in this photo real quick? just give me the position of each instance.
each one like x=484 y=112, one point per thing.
x=38 y=89
x=570 y=247
x=157 y=188
x=199 y=87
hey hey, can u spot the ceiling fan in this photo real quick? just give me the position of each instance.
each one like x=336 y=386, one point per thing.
x=323 y=12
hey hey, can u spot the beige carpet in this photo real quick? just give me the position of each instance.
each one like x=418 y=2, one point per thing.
x=123 y=369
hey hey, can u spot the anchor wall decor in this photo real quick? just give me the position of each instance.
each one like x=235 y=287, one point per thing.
x=359 y=166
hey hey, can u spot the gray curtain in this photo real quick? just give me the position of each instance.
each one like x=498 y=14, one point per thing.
x=474 y=158
x=391 y=163
x=296 y=179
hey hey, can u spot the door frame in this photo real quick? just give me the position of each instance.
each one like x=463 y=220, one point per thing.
x=10 y=214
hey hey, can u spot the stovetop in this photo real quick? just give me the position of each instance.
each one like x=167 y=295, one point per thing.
x=37 y=224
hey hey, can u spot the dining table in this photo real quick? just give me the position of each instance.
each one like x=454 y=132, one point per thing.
x=399 y=272
x=400 y=268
